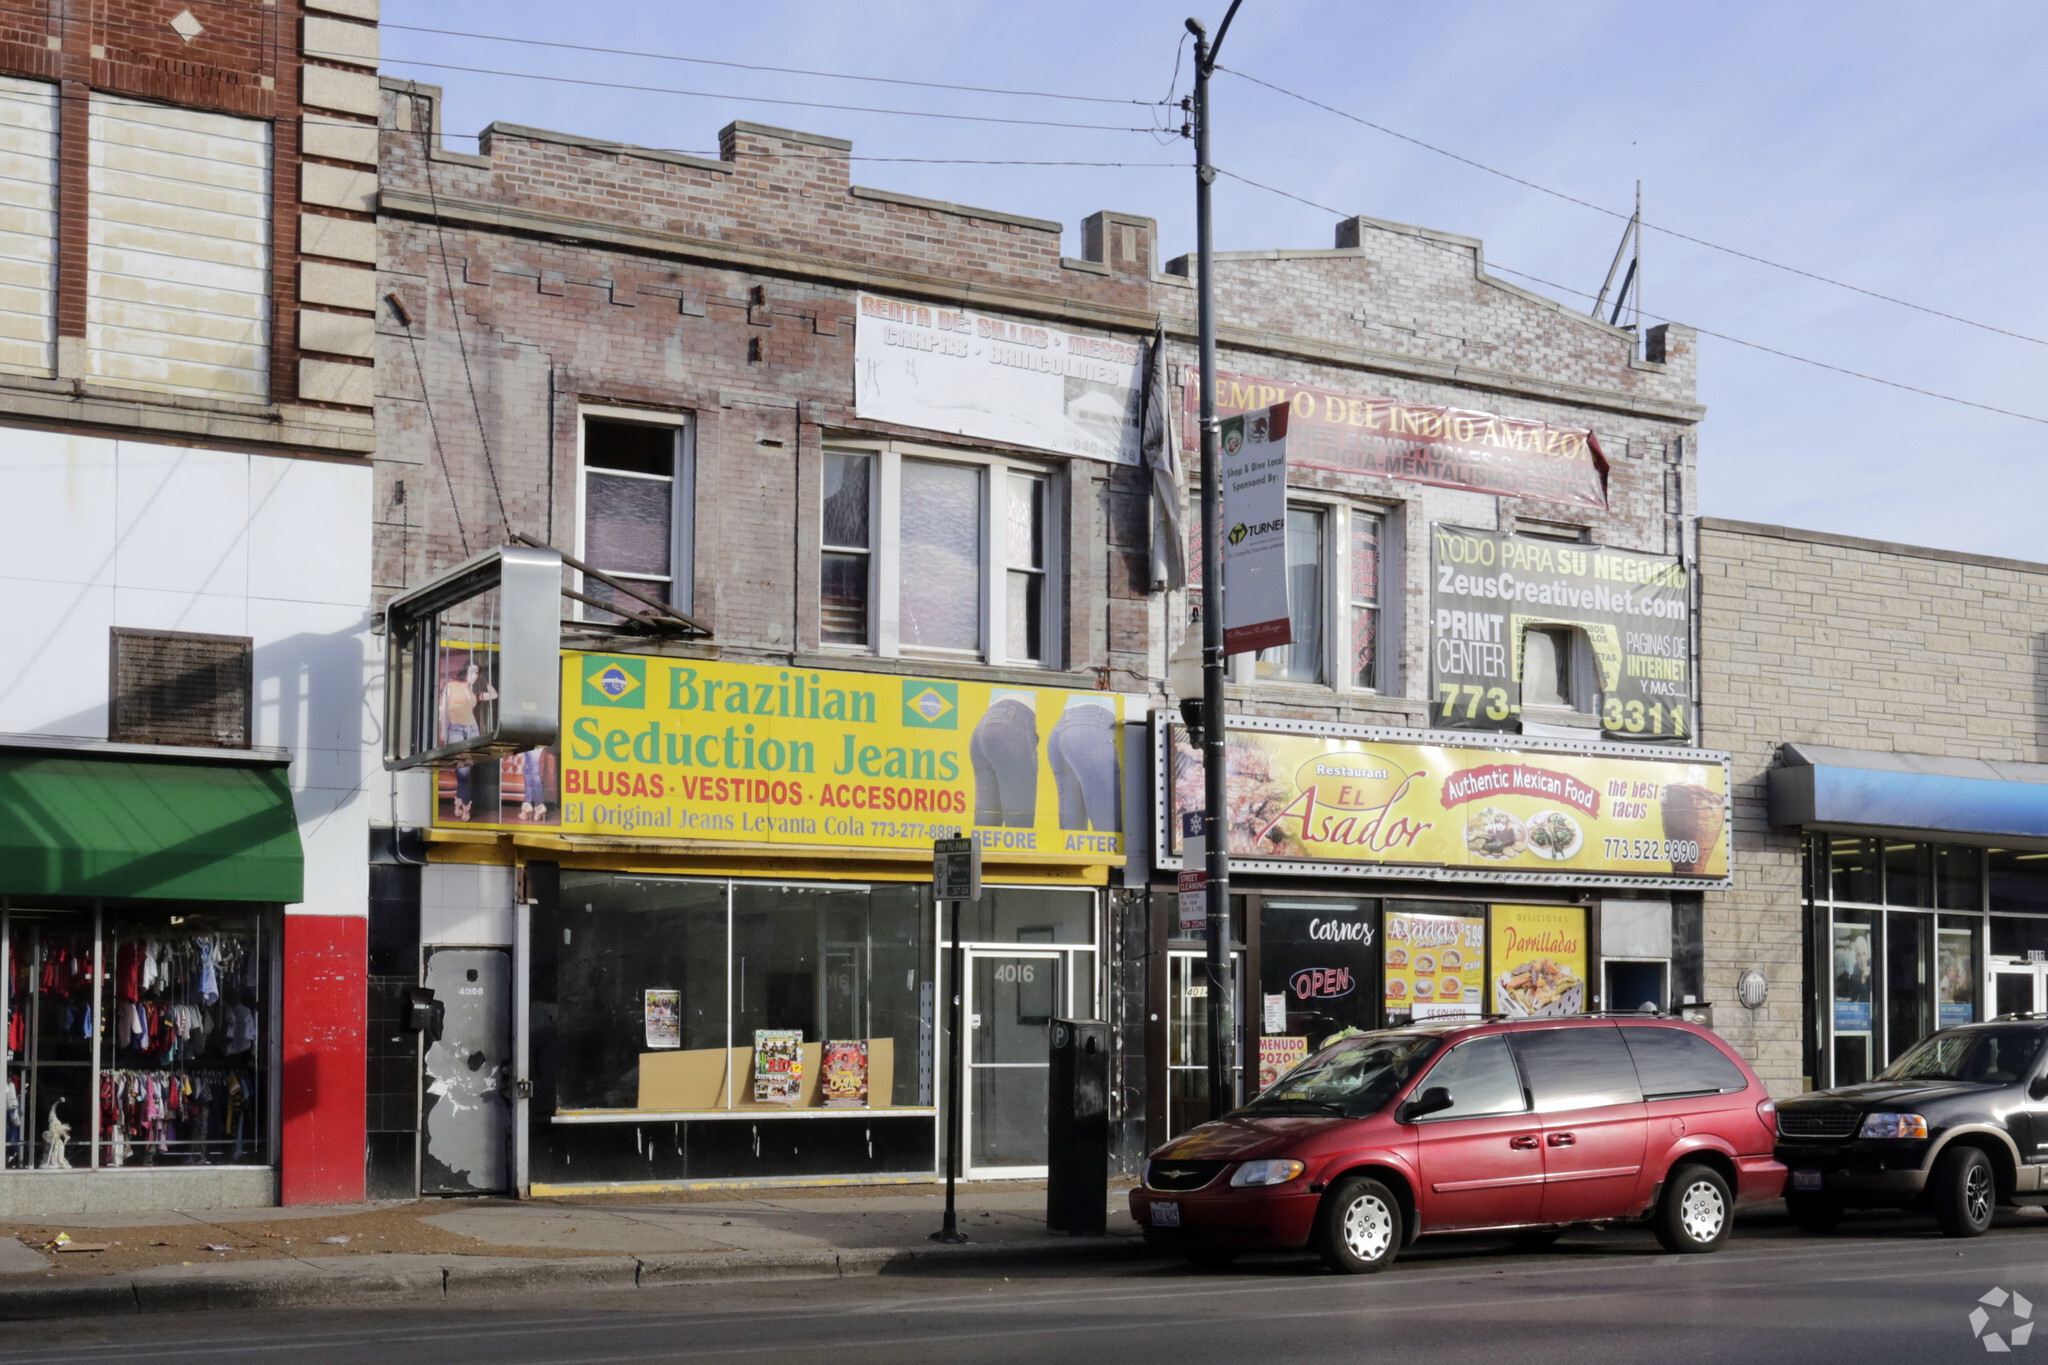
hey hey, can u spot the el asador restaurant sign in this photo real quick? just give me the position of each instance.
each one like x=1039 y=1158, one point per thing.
x=1381 y=803
x=800 y=759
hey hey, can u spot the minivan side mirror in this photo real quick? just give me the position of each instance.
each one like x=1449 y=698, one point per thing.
x=2038 y=1089
x=1434 y=1100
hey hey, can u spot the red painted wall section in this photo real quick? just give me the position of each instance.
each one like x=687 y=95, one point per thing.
x=325 y=985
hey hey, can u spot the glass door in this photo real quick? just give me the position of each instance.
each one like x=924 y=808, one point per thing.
x=1012 y=999
x=1187 y=1037
x=2019 y=989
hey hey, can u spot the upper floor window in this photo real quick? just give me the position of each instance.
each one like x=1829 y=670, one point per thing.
x=939 y=554
x=1558 y=670
x=637 y=496
x=1338 y=557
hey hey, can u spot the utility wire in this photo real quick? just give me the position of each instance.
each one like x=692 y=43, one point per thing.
x=751 y=66
x=1703 y=331
x=764 y=99
x=1616 y=213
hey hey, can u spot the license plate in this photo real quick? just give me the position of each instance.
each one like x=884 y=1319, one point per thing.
x=1165 y=1214
x=1806 y=1180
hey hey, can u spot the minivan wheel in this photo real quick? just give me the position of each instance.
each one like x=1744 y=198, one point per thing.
x=1965 y=1192
x=1358 y=1228
x=1697 y=1210
x=1813 y=1212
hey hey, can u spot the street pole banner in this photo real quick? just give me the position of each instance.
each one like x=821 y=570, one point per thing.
x=1254 y=482
x=1487 y=590
x=1353 y=433
x=973 y=374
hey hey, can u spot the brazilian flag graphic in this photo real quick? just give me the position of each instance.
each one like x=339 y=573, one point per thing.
x=930 y=705
x=613 y=681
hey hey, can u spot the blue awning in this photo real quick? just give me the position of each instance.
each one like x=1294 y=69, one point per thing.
x=1959 y=800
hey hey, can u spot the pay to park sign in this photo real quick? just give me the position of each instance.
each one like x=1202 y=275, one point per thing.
x=691 y=749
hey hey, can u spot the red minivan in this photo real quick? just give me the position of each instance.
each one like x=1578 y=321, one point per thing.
x=1525 y=1127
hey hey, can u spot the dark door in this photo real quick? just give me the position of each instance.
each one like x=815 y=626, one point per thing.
x=1481 y=1160
x=1591 y=1104
x=467 y=1121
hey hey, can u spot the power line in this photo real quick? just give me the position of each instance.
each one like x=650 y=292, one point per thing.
x=1703 y=331
x=1615 y=213
x=750 y=66
x=765 y=99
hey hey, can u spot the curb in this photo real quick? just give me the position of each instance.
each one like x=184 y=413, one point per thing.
x=341 y=1280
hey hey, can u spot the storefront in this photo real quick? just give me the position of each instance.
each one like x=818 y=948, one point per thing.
x=729 y=966
x=1925 y=894
x=1381 y=876
x=141 y=931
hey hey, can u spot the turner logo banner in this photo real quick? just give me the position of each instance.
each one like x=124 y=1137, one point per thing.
x=694 y=749
x=1254 y=481
x=1319 y=802
x=949 y=369
x=1453 y=448
x=1487 y=591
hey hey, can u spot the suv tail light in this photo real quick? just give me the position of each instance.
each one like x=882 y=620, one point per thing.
x=1767 y=1113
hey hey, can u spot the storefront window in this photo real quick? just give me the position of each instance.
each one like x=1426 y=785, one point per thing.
x=1855 y=970
x=1908 y=981
x=1908 y=874
x=136 y=1037
x=1959 y=877
x=1319 y=967
x=1854 y=866
x=2024 y=939
x=2019 y=881
x=1028 y=915
x=687 y=995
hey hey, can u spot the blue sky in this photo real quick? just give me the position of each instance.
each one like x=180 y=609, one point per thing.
x=1895 y=146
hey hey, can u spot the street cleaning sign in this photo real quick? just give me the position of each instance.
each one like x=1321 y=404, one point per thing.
x=1254 y=481
x=709 y=752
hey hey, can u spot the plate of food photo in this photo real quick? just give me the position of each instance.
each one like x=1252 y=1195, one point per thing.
x=1540 y=989
x=1491 y=832
x=1555 y=835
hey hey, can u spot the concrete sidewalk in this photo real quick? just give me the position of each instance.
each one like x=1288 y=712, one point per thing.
x=174 y=1260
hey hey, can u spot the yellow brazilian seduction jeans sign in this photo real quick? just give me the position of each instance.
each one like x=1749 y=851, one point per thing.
x=690 y=749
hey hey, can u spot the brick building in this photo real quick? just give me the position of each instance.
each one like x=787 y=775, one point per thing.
x=1884 y=705
x=187 y=250
x=879 y=446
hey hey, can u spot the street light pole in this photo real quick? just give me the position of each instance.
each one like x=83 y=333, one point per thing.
x=1215 y=821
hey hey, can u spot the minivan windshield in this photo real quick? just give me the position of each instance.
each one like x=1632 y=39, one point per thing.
x=1986 y=1056
x=1353 y=1077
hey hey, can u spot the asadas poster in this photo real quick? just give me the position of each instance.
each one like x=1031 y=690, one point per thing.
x=695 y=749
x=1322 y=800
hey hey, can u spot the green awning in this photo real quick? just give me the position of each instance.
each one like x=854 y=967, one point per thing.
x=167 y=829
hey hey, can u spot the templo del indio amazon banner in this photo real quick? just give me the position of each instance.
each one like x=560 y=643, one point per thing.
x=1405 y=803
x=658 y=748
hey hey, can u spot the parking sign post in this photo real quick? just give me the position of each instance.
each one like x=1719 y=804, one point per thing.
x=956 y=877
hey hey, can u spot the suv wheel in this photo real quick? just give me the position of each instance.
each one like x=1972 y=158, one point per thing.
x=1358 y=1228
x=1696 y=1212
x=1964 y=1191
x=1813 y=1212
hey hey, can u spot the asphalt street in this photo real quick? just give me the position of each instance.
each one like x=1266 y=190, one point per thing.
x=1884 y=1288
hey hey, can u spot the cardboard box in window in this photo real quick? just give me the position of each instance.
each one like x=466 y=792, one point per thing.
x=671 y=1081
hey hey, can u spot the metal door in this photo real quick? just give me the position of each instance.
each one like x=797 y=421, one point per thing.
x=467 y=1123
x=1012 y=999
x=1187 y=1038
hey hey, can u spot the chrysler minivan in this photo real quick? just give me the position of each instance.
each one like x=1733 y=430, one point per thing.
x=1525 y=1127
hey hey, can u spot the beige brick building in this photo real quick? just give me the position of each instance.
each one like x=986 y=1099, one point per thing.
x=1915 y=682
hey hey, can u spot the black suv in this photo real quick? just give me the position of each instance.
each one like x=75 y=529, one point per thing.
x=1958 y=1125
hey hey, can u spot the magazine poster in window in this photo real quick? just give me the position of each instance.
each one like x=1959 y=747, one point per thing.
x=1853 y=977
x=845 y=1074
x=1433 y=966
x=1538 y=968
x=778 y=1065
x=664 y=1018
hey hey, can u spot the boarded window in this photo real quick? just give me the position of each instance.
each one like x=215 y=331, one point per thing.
x=178 y=250
x=28 y=226
x=171 y=688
